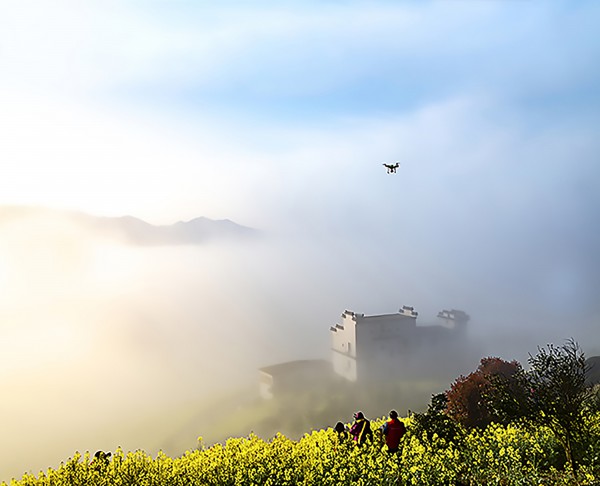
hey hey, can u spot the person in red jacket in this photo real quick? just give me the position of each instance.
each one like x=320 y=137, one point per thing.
x=393 y=430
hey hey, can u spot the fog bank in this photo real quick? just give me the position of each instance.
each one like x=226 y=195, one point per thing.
x=101 y=337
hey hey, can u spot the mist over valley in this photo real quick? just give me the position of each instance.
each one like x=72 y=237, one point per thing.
x=111 y=343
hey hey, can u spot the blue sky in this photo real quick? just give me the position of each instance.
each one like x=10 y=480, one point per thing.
x=280 y=117
x=245 y=87
x=378 y=58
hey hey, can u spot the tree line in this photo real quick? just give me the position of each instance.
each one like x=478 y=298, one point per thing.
x=553 y=392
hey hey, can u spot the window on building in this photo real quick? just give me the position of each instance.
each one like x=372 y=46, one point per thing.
x=349 y=348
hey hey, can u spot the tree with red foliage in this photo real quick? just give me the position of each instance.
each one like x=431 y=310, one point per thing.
x=468 y=395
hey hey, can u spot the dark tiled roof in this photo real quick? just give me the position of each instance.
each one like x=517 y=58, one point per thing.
x=306 y=365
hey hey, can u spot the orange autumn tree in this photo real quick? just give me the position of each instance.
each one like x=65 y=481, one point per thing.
x=467 y=401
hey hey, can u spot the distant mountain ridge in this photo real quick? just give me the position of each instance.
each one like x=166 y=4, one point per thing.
x=134 y=230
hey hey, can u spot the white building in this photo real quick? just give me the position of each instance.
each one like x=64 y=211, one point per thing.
x=364 y=347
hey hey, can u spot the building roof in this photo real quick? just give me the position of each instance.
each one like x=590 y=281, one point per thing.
x=454 y=314
x=405 y=310
x=304 y=365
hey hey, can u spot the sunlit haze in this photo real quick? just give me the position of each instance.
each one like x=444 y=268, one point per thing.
x=279 y=118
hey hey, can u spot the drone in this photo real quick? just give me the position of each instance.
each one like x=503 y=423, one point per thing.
x=391 y=168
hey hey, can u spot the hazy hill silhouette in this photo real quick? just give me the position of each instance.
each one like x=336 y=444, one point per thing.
x=133 y=230
x=195 y=231
x=593 y=373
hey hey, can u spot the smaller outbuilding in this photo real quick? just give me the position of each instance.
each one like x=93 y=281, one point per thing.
x=292 y=375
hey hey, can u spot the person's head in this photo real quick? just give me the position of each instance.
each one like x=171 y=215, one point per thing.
x=102 y=456
x=393 y=414
x=340 y=427
x=359 y=416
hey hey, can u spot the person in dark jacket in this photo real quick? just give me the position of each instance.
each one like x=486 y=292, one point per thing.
x=393 y=430
x=342 y=430
x=361 y=429
x=101 y=460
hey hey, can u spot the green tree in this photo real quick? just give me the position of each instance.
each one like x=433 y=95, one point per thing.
x=554 y=393
x=435 y=421
x=560 y=396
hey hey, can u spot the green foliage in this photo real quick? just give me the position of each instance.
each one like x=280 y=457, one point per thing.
x=560 y=395
x=434 y=422
x=553 y=393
